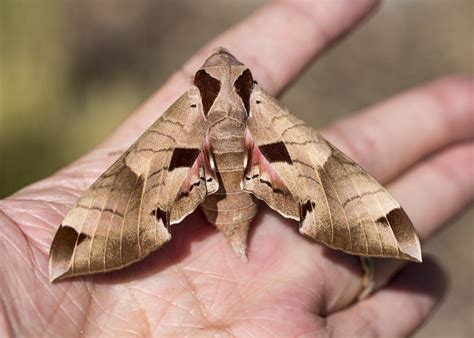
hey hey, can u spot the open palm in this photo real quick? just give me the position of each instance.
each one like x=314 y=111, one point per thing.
x=195 y=284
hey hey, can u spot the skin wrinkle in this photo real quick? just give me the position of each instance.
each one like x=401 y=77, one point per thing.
x=166 y=309
x=240 y=296
x=7 y=240
x=44 y=281
x=31 y=259
x=200 y=255
x=217 y=286
x=256 y=292
x=59 y=191
x=301 y=12
x=58 y=308
x=184 y=277
x=11 y=312
x=139 y=313
x=261 y=326
x=247 y=333
x=54 y=207
x=311 y=333
x=205 y=251
x=447 y=170
x=261 y=318
x=211 y=320
x=10 y=206
x=228 y=312
x=10 y=330
x=447 y=95
x=170 y=302
x=29 y=225
x=86 y=311
x=62 y=308
x=110 y=313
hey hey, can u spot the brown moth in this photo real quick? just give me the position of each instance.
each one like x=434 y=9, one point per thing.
x=222 y=145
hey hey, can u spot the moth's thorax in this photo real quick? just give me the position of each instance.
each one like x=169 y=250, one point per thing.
x=227 y=123
x=227 y=139
x=227 y=117
x=231 y=209
x=225 y=85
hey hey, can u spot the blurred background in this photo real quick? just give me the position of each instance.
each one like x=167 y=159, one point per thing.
x=70 y=72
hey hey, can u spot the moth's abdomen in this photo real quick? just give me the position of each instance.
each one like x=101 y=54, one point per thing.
x=231 y=209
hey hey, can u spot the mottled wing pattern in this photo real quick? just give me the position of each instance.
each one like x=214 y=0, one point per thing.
x=125 y=214
x=336 y=201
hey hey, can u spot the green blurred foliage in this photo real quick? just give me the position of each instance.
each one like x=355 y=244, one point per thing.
x=70 y=71
x=51 y=109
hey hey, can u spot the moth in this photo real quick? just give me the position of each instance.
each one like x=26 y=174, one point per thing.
x=224 y=145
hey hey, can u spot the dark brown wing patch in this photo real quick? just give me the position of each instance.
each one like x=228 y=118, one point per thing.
x=243 y=86
x=276 y=152
x=209 y=88
x=183 y=157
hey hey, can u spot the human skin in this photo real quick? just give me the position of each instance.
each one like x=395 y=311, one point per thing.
x=196 y=285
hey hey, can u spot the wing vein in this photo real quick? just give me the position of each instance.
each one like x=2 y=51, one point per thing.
x=327 y=203
x=125 y=217
x=389 y=224
x=340 y=203
x=160 y=183
x=362 y=201
x=108 y=234
x=145 y=180
x=109 y=192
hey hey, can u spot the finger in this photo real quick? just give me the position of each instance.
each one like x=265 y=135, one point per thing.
x=438 y=188
x=276 y=42
x=432 y=192
x=435 y=191
x=391 y=136
x=284 y=36
x=394 y=135
x=398 y=309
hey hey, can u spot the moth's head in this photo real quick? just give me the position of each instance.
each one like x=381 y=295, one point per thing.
x=221 y=57
x=223 y=73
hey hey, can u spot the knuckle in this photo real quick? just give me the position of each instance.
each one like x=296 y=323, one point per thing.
x=453 y=96
x=455 y=167
x=359 y=140
x=367 y=324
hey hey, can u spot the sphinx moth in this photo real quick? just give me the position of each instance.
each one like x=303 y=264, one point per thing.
x=224 y=145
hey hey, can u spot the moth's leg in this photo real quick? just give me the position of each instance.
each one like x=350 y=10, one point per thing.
x=368 y=279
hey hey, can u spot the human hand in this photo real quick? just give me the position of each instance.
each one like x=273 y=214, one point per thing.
x=290 y=286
